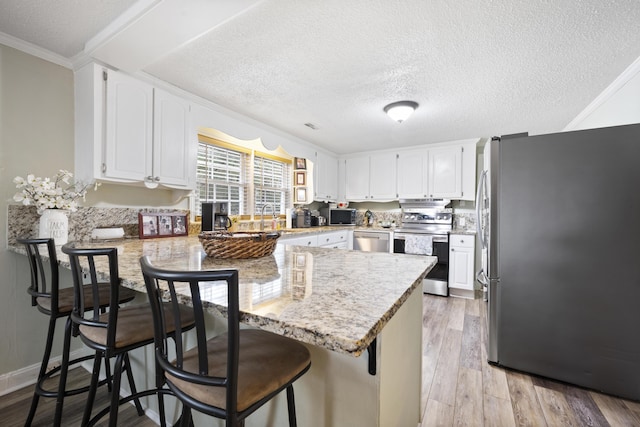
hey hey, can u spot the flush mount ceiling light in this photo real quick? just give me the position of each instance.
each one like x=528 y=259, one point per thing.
x=401 y=110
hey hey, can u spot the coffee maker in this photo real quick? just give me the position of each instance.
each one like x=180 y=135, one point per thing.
x=215 y=216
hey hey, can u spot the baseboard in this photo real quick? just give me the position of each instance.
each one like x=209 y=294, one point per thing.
x=24 y=377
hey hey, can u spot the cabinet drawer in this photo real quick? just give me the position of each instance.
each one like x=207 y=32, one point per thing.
x=462 y=240
x=308 y=240
x=332 y=238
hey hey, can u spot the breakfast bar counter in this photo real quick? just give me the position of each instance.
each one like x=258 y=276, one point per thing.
x=359 y=313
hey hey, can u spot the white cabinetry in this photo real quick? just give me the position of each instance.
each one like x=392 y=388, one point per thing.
x=128 y=131
x=306 y=240
x=445 y=173
x=413 y=167
x=431 y=173
x=326 y=177
x=326 y=239
x=334 y=239
x=371 y=177
x=173 y=148
x=128 y=145
x=461 y=263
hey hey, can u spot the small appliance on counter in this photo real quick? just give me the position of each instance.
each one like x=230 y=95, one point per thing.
x=300 y=218
x=338 y=216
x=317 y=220
x=215 y=216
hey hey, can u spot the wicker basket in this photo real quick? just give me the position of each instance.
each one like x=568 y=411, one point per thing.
x=248 y=244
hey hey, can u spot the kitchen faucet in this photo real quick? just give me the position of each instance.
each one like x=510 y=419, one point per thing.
x=273 y=211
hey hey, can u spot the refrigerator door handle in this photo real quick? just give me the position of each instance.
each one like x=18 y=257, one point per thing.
x=482 y=278
x=479 y=200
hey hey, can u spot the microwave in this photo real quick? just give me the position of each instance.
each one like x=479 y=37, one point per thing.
x=336 y=216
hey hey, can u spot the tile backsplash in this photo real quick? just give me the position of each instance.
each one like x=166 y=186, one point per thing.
x=23 y=221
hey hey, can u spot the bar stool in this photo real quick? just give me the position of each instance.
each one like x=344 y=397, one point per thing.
x=228 y=376
x=115 y=333
x=56 y=303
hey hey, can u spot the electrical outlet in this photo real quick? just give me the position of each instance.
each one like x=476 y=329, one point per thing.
x=462 y=221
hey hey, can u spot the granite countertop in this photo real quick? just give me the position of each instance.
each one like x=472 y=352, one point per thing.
x=336 y=299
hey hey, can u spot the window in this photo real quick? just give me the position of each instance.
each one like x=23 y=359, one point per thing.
x=219 y=178
x=271 y=184
x=245 y=178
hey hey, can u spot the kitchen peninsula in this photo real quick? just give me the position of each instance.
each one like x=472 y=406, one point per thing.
x=359 y=313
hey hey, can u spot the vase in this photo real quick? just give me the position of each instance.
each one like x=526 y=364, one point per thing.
x=54 y=223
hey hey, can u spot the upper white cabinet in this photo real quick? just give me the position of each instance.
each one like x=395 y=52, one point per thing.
x=172 y=139
x=128 y=145
x=445 y=172
x=382 y=176
x=371 y=177
x=128 y=131
x=413 y=167
x=326 y=177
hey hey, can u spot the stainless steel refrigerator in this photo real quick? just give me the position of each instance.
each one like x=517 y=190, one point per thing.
x=559 y=228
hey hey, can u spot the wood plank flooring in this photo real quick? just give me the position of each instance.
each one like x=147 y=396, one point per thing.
x=459 y=387
x=14 y=407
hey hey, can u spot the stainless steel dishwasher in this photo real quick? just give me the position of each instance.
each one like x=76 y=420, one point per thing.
x=371 y=241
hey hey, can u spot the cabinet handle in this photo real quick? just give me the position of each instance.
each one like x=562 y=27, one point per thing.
x=452 y=249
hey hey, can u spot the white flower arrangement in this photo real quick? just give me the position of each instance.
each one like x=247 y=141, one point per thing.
x=50 y=193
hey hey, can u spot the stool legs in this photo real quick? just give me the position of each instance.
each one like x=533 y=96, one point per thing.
x=95 y=374
x=64 y=369
x=43 y=371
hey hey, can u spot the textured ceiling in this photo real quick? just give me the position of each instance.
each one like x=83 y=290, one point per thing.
x=477 y=69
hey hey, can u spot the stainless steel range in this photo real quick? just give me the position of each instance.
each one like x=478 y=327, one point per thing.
x=425 y=228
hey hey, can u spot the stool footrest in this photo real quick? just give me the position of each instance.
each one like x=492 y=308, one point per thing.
x=41 y=391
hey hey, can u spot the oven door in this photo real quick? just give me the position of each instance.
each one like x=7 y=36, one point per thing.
x=437 y=280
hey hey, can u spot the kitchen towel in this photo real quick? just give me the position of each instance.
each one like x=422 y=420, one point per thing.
x=418 y=245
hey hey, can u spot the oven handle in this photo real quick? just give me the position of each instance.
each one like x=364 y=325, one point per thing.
x=436 y=238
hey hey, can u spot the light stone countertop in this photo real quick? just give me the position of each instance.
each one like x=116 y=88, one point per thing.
x=332 y=298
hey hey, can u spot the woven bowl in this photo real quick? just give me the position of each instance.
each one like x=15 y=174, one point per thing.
x=247 y=244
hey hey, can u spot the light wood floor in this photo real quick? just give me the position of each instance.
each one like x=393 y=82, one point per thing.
x=14 y=407
x=459 y=387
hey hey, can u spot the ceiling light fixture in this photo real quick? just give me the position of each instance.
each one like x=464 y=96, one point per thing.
x=401 y=110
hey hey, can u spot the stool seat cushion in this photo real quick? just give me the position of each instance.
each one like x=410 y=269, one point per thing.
x=65 y=298
x=267 y=362
x=135 y=325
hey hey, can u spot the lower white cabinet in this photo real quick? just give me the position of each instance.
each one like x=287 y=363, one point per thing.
x=325 y=239
x=461 y=261
x=306 y=240
x=334 y=239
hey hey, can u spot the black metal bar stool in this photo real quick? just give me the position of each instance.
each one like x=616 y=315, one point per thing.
x=115 y=333
x=57 y=302
x=228 y=376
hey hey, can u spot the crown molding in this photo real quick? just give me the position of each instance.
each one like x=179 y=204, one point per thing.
x=34 y=50
x=631 y=71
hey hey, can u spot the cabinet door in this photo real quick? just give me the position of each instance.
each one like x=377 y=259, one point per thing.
x=412 y=174
x=445 y=172
x=461 y=262
x=383 y=177
x=357 y=178
x=326 y=177
x=171 y=139
x=129 y=133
